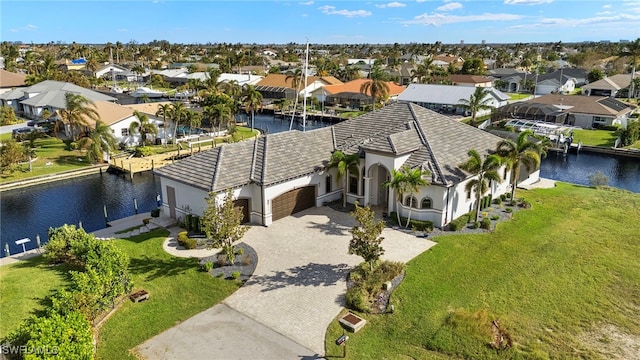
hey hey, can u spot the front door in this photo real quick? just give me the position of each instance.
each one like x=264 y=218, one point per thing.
x=171 y=200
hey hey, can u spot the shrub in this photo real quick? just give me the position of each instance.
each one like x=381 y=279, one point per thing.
x=485 y=214
x=239 y=251
x=486 y=224
x=187 y=222
x=195 y=223
x=525 y=204
x=475 y=225
x=246 y=260
x=185 y=241
x=459 y=223
x=419 y=225
x=357 y=299
x=498 y=200
x=495 y=217
x=207 y=266
x=146 y=221
x=235 y=275
x=142 y=151
x=508 y=210
x=155 y=212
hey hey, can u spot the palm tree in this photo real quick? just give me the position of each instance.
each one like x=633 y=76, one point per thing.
x=483 y=171
x=179 y=115
x=424 y=70
x=413 y=179
x=252 y=101
x=377 y=87
x=296 y=78
x=144 y=127
x=399 y=185
x=194 y=119
x=521 y=152
x=164 y=110
x=476 y=102
x=346 y=164
x=100 y=140
x=222 y=113
x=633 y=51
x=77 y=112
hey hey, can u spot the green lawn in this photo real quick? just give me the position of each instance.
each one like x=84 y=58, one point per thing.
x=518 y=96
x=604 y=138
x=23 y=288
x=565 y=267
x=178 y=290
x=49 y=150
x=5 y=137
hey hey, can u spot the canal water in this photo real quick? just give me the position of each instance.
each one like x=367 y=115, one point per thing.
x=31 y=211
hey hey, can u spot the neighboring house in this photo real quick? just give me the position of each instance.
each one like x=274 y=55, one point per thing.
x=444 y=61
x=470 y=80
x=241 y=79
x=348 y=95
x=563 y=81
x=108 y=71
x=577 y=110
x=280 y=86
x=509 y=79
x=74 y=64
x=446 y=98
x=404 y=74
x=280 y=174
x=49 y=94
x=608 y=86
x=10 y=80
x=151 y=109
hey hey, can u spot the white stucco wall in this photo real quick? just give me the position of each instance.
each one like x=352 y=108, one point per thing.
x=133 y=139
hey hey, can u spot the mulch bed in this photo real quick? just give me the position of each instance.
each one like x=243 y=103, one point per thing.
x=245 y=264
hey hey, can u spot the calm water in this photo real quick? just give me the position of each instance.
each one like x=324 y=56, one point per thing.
x=622 y=172
x=30 y=211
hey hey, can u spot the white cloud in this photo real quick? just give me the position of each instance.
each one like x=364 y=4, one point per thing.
x=604 y=13
x=443 y=19
x=420 y=1
x=331 y=10
x=306 y=3
x=607 y=6
x=28 y=27
x=394 y=4
x=450 y=6
x=573 y=23
x=526 y=2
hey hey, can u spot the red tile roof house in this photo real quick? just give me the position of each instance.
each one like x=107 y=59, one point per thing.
x=280 y=174
x=280 y=86
x=349 y=95
x=10 y=80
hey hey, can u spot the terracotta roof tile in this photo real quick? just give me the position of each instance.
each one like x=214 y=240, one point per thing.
x=354 y=86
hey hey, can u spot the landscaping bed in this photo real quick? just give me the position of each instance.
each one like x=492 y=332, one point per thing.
x=241 y=269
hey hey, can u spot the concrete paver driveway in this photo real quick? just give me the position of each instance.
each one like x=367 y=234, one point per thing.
x=296 y=291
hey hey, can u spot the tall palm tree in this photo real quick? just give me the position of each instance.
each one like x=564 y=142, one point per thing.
x=100 y=141
x=398 y=184
x=345 y=164
x=295 y=77
x=222 y=113
x=143 y=126
x=252 y=101
x=414 y=179
x=77 y=112
x=483 y=170
x=477 y=101
x=179 y=116
x=164 y=110
x=521 y=152
x=377 y=87
x=632 y=50
x=424 y=70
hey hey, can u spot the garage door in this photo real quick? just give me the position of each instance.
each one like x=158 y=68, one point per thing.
x=293 y=201
x=244 y=204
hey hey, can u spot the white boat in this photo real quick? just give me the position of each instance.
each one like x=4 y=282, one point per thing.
x=150 y=93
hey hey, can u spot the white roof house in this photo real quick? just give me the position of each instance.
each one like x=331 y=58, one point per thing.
x=445 y=98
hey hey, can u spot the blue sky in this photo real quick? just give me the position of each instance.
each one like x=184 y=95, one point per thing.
x=356 y=21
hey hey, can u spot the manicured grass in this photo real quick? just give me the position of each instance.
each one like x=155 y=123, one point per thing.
x=49 y=150
x=566 y=266
x=5 y=137
x=604 y=138
x=24 y=287
x=178 y=290
x=517 y=96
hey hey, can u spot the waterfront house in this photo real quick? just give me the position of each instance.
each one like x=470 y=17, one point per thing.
x=280 y=86
x=49 y=94
x=609 y=86
x=578 y=110
x=348 y=95
x=446 y=98
x=280 y=174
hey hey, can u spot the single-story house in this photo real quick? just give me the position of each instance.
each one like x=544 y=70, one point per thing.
x=470 y=80
x=576 y=110
x=508 y=79
x=280 y=174
x=446 y=98
x=348 y=95
x=49 y=94
x=280 y=86
x=608 y=86
x=563 y=81
x=110 y=70
x=10 y=80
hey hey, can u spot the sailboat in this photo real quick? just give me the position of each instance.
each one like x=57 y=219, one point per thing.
x=304 y=98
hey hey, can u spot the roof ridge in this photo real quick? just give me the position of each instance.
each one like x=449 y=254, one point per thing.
x=253 y=159
x=215 y=171
x=264 y=160
x=393 y=147
x=435 y=164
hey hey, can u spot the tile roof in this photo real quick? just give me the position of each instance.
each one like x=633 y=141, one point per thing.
x=9 y=79
x=614 y=82
x=434 y=142
x=596 y=105
x=150 y=108
x=443 y=94
x=286 y=81
x=52 y=93
x=110 y=113
x=469 y=79
x=355 y=85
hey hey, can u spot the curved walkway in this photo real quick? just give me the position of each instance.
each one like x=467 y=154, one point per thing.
x=296 y=291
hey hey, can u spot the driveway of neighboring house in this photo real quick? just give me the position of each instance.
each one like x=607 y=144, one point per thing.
x=296 y=291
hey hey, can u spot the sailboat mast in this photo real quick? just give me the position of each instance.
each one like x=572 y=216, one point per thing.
x=304 y=100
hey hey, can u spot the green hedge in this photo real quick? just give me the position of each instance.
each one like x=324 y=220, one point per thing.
x=186 y=241
x=420 y=225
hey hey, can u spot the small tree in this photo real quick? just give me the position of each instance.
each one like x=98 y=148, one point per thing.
x=221 y=222
x=366 y=235
x=11 y=153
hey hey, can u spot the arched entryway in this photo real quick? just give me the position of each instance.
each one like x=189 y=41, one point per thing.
x=378 y=193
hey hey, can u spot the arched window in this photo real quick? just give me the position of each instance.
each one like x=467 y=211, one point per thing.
x=426 y=203
x=410 y=200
